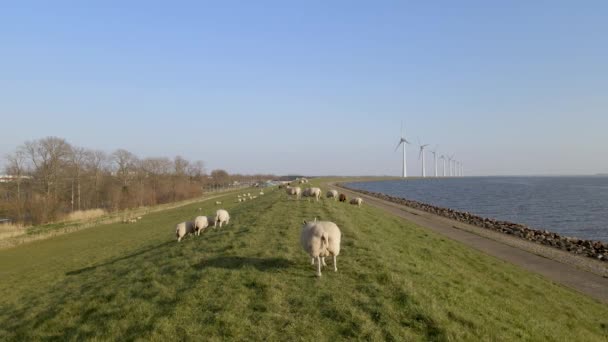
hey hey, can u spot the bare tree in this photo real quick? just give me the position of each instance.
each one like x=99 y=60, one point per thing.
x=78 y=159
x=125 y=163
x=17 y=168
x=49 y=158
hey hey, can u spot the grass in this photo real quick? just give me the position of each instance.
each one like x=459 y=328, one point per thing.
x=251 y=281
x=10 y=236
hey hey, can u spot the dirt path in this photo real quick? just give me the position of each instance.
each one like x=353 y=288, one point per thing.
x=566 y=274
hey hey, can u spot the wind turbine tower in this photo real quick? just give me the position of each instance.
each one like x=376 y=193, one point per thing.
x=422 y=155
x=443 y=157
x=434 y=152
x=450 y=163
x=403 y=141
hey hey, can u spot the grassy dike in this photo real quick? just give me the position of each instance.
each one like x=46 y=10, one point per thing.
x=251 y=280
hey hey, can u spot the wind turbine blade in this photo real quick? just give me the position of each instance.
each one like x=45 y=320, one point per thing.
x=420 y=154
x=399 y=144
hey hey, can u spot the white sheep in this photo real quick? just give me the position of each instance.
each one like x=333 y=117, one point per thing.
x=316 y=193
x=321 y=239
x=356 y=201
x=332 y=194
x=297 y=191
x=183 y=229
x=218 y=202
x=200 y=223
x=261 y=193
x=221 y=216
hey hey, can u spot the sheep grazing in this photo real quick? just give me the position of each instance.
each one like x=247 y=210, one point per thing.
x=356 y=201
x=332 y=194
x=261 y=193
x=138 y=218
x=296 y=191
x=342 y=198
x=218 y=202
x=312 y=192
x=200 y=223
x=221 y=216
x=183 y=229
x=321 y=239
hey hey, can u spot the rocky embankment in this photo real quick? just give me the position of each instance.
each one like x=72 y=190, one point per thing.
x=593 y=249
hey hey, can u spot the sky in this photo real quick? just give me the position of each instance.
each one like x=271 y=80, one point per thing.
x=313 y=87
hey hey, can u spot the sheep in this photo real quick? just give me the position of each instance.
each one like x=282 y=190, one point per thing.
x=297 y=191
x=218 y=202
x=356 y=201
x=321 y=239
x=261 y=193
x=200 y=223
x=221 y=216
x=138 y=218
x=312 y=192
x=342 y=198
x=183 y=229
x=332 y=194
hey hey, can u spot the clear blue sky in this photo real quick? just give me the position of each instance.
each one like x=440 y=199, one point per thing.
x=313 y=87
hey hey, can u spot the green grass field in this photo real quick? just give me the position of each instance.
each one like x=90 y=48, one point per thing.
x=252 y=281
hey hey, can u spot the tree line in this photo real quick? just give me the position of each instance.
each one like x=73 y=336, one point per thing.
x=49 y=178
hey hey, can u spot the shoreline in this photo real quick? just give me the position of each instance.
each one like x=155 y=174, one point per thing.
x=583 y=262
x=593 y=249
x=580 y=273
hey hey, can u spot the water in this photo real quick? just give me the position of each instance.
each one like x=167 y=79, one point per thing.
x=570 y=206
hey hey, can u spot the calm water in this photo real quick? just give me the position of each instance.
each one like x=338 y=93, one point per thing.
x=571 y=206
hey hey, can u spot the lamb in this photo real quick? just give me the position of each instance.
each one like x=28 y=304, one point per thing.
x=356 y=201
x=200 y=223
x=321 y=239
x=342 y=198
x=221 y=216
x=183 y=229
x=332 y=194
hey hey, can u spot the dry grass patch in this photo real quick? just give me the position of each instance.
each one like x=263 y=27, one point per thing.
x=80 y=215
x=9 y=230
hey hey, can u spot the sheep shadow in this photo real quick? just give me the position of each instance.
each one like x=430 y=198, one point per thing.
x=113 y=261
x=236 y=262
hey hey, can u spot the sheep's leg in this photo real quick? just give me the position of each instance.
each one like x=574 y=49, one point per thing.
x=312 y=261
x=323 y=261
x=318 y=266
x=335 y=264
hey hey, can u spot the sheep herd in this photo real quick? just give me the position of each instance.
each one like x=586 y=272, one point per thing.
x=319 y=239
x=201 y=223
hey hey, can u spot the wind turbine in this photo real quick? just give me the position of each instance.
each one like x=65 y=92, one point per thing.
x=443 y=157
x=450 y=160
x=403 y=141
x=434 y=152
x=422 y=155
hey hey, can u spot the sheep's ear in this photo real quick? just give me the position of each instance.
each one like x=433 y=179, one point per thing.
x=305 y=222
